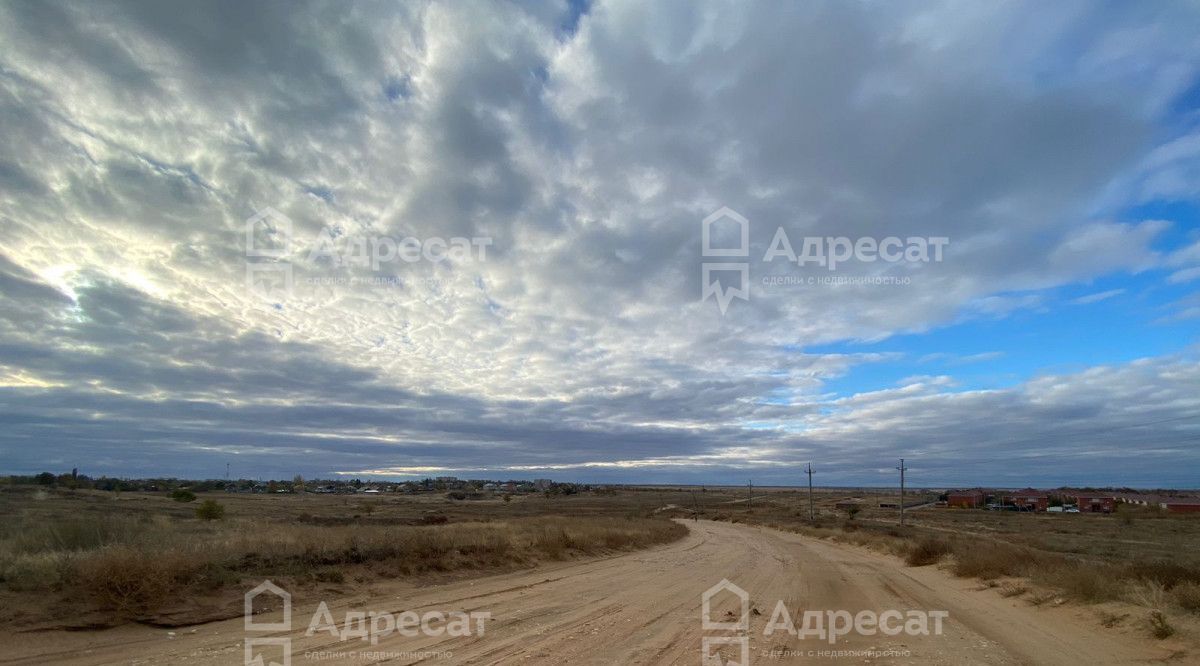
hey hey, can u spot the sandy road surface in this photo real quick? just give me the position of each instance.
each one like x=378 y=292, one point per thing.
x=644 y=608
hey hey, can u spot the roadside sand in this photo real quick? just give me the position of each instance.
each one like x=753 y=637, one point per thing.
x=644 y=608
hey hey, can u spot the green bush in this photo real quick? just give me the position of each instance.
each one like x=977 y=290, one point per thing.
x=210 y=510
x=182 y=495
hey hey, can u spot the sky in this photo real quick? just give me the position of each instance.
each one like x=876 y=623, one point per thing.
x=399 y=240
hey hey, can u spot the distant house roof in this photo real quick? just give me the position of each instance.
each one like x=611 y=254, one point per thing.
x=1027 y=492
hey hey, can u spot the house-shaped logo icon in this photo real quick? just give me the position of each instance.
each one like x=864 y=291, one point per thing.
x=725 y=215
x=263 y=588
x=743 y=621
x=268 y=234
x=713 y=647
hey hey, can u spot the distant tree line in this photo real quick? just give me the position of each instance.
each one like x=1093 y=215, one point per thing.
x=75 y=480
x=466 y=487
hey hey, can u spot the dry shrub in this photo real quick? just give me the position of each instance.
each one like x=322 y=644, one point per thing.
x=987 y=561
x=928 y=550
x=1168 y=574
x=1085 y=583
x=1110 y=619
x=1148 y=593
x=27 y=573
x=1160 y=628
x=1039 y=598
x=210 y=510
x=552 y=541
x=1013 y=590
x=126 y=580
x=1187 y=596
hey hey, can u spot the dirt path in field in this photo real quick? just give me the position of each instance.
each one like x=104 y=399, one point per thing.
x=644 y=608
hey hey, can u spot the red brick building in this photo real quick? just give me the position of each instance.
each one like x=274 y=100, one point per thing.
x=1180 y=505
x=965 y=499
x=1096 y=503
x=1028 y=500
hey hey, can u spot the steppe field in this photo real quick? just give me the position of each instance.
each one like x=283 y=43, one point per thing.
x=603 y=576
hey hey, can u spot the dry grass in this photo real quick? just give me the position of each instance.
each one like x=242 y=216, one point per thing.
x=1090 y=559
x=1041 y=597
x=929 y=550
x=1109 y=619
x=1187 y=596
x=126 y=580
x=994 y=561
x=1013 y=589
x=133 y=564
x=1160 y=627
x=1148 y=593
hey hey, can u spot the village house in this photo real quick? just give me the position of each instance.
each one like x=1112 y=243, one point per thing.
x=1028 y=499
x=1180 y=504
x=966 y=499
x=1095 y=503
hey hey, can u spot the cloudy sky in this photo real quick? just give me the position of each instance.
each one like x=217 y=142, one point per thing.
x=151 y=153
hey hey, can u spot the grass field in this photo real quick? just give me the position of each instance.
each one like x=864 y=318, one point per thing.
x=145 y=557
x=1138 y=555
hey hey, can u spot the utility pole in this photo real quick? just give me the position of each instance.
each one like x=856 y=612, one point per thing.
x=811 y=515
x=902 y=468
x=750 y=498
x=696 y=509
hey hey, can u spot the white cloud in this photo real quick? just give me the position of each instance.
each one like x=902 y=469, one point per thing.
x=137 y=138
x=1097 y=297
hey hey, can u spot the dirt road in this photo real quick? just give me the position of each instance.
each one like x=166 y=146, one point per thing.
x=644 y=608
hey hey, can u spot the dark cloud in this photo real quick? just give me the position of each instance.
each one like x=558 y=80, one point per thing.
x=586 y=142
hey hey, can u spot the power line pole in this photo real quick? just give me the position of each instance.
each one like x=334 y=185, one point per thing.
x=811 y=514
x=902 y=469
x=750 y=498
x=696 y=507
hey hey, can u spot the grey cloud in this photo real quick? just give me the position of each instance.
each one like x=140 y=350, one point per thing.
x=138 y=137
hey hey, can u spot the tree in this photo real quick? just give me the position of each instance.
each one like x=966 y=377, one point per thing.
x=210 y=510
x=45 y=479
x=298 y=483
x=182 y=495
x=853 y=510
